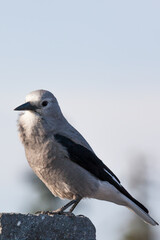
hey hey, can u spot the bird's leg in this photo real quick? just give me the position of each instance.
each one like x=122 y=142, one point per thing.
x=62 y=209
x=73 y=202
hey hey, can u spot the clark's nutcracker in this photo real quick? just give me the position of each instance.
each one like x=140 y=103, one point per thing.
x=64 y=161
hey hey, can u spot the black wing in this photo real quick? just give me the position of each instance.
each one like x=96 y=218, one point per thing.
x=89 y=161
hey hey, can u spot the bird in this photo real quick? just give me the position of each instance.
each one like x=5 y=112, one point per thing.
x=64 y=161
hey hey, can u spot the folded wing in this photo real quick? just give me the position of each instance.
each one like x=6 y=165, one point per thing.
x=90 y=162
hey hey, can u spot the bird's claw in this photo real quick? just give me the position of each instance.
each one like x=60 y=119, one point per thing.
x=58 y=212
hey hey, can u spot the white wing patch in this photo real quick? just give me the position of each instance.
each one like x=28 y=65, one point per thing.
x=111 y=176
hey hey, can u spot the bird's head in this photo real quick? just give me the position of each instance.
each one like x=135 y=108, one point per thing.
x=41 y=102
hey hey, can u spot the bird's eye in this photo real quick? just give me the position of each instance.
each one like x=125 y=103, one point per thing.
x=44 y=103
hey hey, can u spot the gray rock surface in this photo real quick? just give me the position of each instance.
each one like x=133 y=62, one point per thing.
x=43 y=227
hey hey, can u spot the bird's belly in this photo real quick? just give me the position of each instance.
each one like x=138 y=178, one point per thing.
x=66 y=179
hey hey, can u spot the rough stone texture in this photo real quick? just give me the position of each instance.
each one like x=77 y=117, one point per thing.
x=43 y=227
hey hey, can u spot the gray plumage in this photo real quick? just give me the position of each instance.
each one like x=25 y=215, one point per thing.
x=55 y=151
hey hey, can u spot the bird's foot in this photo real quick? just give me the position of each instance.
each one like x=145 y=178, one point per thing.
x=43 y=212
x=58 y=211
x=61 y=211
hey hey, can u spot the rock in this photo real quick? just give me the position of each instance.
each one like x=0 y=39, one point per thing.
x=43 y=227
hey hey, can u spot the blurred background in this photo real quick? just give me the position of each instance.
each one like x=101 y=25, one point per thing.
x=101 y=59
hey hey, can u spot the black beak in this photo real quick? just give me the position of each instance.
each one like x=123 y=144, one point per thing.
x=26 y=106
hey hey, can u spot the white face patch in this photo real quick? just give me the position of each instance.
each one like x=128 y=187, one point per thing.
x=32 y=97
x=28 y=119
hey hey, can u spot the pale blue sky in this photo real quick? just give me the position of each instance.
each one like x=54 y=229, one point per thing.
x=76 y=45
x=102 y=61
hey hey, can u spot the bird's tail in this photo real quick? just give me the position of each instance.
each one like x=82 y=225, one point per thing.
x=120 y=196
x=140 y=212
